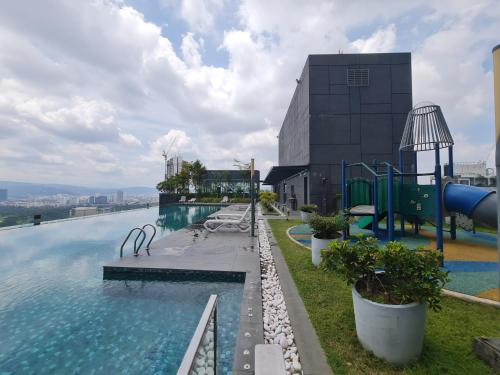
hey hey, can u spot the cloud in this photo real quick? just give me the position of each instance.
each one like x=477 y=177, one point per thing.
x=97 y=87
x=383 y=40
x=129 y=140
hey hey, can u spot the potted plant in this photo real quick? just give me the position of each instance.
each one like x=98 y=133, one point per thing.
x=392 y=288
x=325 y=229
x=306 y=211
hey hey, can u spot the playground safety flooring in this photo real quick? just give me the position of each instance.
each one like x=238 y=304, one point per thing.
x=472 y=259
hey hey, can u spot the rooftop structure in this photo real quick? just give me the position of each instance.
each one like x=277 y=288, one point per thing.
x=345 y=106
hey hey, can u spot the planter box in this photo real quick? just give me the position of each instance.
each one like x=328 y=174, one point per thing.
x=305 y=216
x=394 y=333
x=318 y=244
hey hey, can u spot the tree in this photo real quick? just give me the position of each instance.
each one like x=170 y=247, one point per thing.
x=197 y=170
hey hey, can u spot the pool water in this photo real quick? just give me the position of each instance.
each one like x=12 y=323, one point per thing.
x=58 y=315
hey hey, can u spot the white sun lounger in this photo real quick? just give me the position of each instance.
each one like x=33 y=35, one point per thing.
x=192 y=200
x=228 y=221
x=225 y=199
x=183 y=199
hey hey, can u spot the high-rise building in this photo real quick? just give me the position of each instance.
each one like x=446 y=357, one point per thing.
x=119 y=196
x=174 y=166
x=101 y=199
x=3 y=195
x=91 y=199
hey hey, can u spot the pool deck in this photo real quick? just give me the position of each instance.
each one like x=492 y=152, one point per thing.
x=225 y=253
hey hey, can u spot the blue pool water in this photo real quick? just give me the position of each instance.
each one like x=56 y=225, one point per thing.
x=58 y=315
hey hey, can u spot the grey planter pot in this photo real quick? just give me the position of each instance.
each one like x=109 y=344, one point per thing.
x=305 y=216
x=394 y=333
x=318 y=244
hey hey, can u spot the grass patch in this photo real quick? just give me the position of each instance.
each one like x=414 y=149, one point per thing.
x=448 y=336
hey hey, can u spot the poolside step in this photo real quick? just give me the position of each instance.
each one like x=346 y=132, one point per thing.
x=269 y=360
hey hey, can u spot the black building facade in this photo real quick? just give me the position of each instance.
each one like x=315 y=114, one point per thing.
x=345 y=106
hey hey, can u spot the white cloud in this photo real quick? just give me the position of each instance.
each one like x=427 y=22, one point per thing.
x=383 y=40
x=129 y=140
x=96 y=85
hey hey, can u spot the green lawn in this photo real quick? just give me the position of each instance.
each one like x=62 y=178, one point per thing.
x=447 y=348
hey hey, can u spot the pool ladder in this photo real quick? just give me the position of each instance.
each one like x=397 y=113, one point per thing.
x=143 y=235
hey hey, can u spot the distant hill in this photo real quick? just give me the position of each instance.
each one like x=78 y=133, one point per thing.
x=21 y=190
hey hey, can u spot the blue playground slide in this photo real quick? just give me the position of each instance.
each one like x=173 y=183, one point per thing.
x=480 y=204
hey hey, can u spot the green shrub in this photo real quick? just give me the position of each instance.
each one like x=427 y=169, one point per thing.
x=392 y=274
x=267 y=198
x=311 y=208
x=209 y=200
x=328 y=226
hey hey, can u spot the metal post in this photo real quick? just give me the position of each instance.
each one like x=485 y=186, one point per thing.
x=343 y=189
x=496 y=84
x=439 y=201
x=401 y=180
x=390 y=206
x=375 y=207
x=453 y=218
x=252 y=197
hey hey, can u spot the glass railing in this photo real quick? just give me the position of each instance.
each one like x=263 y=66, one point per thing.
x=201 y=354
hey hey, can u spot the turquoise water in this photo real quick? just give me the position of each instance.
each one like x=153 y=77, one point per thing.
x=58 y=316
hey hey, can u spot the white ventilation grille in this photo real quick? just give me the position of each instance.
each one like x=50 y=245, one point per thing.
x=358 y=77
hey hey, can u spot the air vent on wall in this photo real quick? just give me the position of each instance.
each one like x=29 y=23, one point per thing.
x=358 y=77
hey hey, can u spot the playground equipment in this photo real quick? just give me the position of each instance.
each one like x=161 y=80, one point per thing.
x=391 y=190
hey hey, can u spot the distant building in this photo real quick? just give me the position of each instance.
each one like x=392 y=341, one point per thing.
x=174 y=166
x=228 y=182
x=472 y=173
x=101 y=199
x=83 y=211
x=119 y=196
x=3 y=195
x=91 y=199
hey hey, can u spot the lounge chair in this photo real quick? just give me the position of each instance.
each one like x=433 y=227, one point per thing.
x=225 y=199
x=228 y=221
x=192 y=200
x=183 y=199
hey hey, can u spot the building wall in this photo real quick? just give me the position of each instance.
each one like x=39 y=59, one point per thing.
x=355 y=123
x=294 y=133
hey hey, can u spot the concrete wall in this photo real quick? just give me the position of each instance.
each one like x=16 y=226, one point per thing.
x=294 y=133
x=355 y=123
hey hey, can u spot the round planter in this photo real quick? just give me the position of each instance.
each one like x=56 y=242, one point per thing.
x=318 y=244
x=394 y=333
x=305 y=216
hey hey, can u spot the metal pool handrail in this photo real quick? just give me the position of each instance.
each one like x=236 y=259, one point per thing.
x=209 y=314
x=153 y=236
x=136 y=249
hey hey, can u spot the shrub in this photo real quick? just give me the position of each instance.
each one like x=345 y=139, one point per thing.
x=328 y=226
x=267 y=198
x=308 y=208
x=393 y=274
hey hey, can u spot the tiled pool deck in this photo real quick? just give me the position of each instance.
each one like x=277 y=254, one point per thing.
x=224 y=254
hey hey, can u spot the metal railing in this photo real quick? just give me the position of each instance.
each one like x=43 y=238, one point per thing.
x=143 y=235
x=202 y=350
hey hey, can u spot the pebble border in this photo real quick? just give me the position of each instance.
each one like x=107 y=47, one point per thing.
x=277 y=326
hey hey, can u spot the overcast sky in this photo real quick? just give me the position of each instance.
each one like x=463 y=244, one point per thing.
x=91 y=92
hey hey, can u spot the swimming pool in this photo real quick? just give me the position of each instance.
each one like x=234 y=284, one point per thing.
x=58 y=316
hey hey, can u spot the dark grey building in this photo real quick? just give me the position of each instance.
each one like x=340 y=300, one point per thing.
x=3 y=195
x=345 y=106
